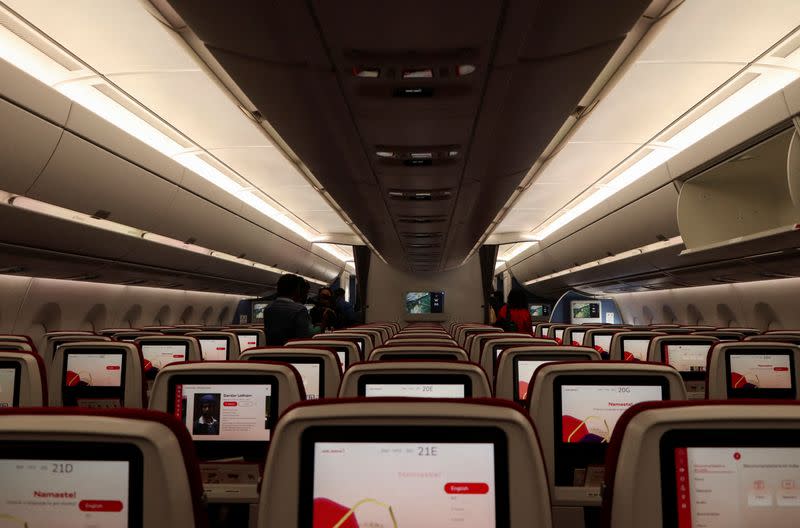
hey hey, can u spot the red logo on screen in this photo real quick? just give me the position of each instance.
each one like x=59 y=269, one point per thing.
x=100 y=505
x=737 y=456
x=229 y=404
x=72 y=379
x=220 y=348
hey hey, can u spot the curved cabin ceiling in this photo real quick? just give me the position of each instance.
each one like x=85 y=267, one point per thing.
x=419 y=118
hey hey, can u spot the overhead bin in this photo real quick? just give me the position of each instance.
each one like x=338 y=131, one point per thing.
x=86 y=178
x=26 y=143
x=746 y=197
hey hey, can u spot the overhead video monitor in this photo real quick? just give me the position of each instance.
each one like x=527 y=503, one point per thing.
x=742 y=478
x=10 y=372
x=586 y=411
x=213 y=348
x=425 y=477
x=539 y=310
x=424 y=302
x=247 y=341
x=226 y=415
x=311 y=370
x=415 y=385
x=559 y=334
x=634 y=348
x=524 y=369
x=757 y=373
x=158 y=355
x=258 y=311
x=45 y=484
x=93 y=378
x=687 y=358
x=601 y=342
x=585 y=312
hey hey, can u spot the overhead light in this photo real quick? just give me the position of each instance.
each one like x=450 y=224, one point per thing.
x=80 y=88
x=771 y=74
x=369 y=73
x=62 y=213
x=465 y=69
x=425 y=73
x=384 y=154
x=649 y=248
x=421 y=155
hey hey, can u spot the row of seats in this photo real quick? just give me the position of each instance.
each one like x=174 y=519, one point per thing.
x=422 y=463
x=508 y=361
x=221 y=403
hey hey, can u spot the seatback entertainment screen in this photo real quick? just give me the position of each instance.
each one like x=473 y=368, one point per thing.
x=586 y=410
x=370 y=480
x=45 y=484
x=93 y=378
x=756 y=373
x=213 y=348
x=158 y=356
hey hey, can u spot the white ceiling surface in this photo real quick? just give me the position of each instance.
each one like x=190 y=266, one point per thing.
x=683 y=59
x=123 y=41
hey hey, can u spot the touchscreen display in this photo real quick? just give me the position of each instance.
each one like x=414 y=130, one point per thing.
x=602 y=342
x=420 y=485
x=760 y=371
x=635 y=349
x=737 y=487
x=686 y=358
x=43 y=493
x=214 y=349
x=93 y=369
x=590 y=412
x=157 y=357
x=414 y=390
x=217 y=412
x=577 y=338
x=9 y=386
x=247 y=341
x=525 y=370
x=310 y=374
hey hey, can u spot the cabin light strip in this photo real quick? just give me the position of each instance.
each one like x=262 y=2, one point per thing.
x=29 y=59
x=35 y=206
x=773 y=75
x=674 y=241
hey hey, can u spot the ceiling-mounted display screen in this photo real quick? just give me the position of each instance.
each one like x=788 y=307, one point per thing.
x=585 y=312
x=424 y=302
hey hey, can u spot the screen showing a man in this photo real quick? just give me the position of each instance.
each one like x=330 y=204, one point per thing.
x=207 y=410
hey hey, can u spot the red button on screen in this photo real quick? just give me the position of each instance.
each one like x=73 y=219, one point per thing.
x=229 y=404
x=113 y=367
x=466 y=488
x=781 y=369
x=100 y=505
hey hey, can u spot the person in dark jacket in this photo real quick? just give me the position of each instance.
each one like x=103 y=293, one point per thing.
x=286 y=318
